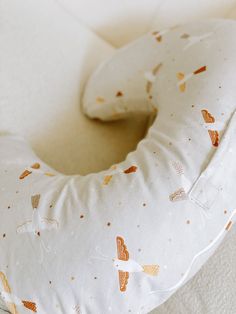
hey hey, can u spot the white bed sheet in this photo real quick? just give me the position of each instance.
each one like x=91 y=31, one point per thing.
x=46 y=56
x=118 y=21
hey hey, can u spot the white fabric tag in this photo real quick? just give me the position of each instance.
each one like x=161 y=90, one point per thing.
x=213 y=180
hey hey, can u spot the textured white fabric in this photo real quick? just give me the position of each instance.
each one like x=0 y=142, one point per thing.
x=173 y=13
x=116 y=21
x=122 y=21
x=46 y=56
x=171 y=201
x=59 y=145
x=212 y=289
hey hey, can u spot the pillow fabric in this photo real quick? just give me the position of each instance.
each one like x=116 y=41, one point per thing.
x=123 y=240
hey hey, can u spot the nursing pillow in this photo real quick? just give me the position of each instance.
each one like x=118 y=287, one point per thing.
x=123 y=240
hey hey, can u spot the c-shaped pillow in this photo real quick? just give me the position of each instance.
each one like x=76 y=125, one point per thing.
x=123 y=240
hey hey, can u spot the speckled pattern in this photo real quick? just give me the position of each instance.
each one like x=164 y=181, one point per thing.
x=123 y=240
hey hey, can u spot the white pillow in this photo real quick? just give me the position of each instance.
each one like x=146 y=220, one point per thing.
x=123 y=240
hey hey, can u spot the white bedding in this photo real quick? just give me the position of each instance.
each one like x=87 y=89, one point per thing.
x=47 y=52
